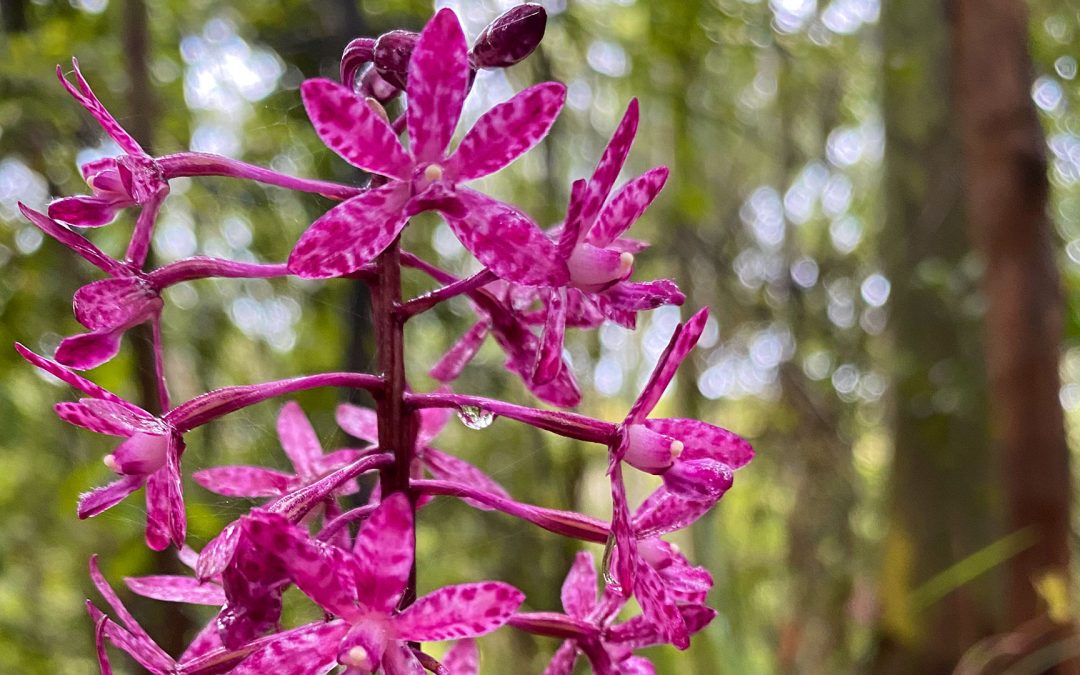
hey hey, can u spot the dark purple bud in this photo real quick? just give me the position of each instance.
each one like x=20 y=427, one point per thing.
x=392 y=53
x=357 y=53
x=510 y=38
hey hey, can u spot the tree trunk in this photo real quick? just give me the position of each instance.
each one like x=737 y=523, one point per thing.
x=941 y=509
x=1006 y=197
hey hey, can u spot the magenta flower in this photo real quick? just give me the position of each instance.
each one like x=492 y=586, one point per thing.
x=149 y=455
x=363 y=423
x=362 y=588
x=425 y=177
x=599 y=259
x=302 y=447
x=587 y=626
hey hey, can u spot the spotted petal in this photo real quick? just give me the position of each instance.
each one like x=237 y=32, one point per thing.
x=351 y=128
x=307 y=649
x=610 y=164
x=89 y=350
x=705 y=441
x=73 y=240
x=627 y=206
x=351 y=234
x=549 y=356
x=659 y=606
x=87 y=99
x=663 y=512
x=384 y=553
x=243 y=481
x=463 y=658
x=579 y=589
x=437 y=84
x=682 y=341
x=358 y=422
x=466 y=610
x=458 y=356
x=171 y=588
x=448 y=467
x=507 y=131
x=112 y=303
x=299 y=440
x=105 y=497
x=504 y=239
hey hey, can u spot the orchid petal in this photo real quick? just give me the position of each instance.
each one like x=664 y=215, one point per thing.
x=705 y=441
x=157 y=511
x=82 y=416
x=663 y=512
x=658 y=605
x=351 y=234
x=298 y=439
x=682 y=341
x=358 y=422
x=122 y=612
x=507 y=131
x=637 y=665
x=243 y=481
x=448 y=467
x=579 y=589
x=463 y=658
x=73 y=240
x=573 y=228
x=171 y=588
x=610 y=164
x=399 y=659
x=99 y=644
x=133 y=420
x=504 y=239
x=454 y=361
x=437 y=84
x=89 y=350
x=384 y=553
x=562 y=663
x=145 y=652
x=300 y=651
x=549 y=358
x=349 y=126
x=627 y=206
x=465 y=610
x=218 y=552
x=332 y=461
x=432 y=423
x=698 y=479
x=100 y=499
x=629 y=296
x=207 y=641
x=70 y=377
x=86 y=98
x=625 y=551
x=112 y=303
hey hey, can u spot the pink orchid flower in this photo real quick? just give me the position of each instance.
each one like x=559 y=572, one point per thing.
x=424 y=177
x=362 y=589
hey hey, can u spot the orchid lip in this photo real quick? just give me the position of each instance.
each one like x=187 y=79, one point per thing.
x=111 y=464
x=433 y=172
x=357 y=657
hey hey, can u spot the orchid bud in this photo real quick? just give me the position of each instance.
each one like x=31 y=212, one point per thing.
x=510 y=38
x=357 y=53
x=372 y=85
x=392 y=53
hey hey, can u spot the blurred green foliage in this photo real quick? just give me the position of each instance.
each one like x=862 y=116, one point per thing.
x=769 y=114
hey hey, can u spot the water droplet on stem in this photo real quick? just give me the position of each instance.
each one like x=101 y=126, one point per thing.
x=475 y=417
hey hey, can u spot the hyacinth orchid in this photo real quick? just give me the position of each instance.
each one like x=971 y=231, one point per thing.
x=588 y=626
x=575 y=275
x=425 y=177
x=363 y=588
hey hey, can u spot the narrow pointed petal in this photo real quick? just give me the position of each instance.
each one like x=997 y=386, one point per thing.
x=463 y=658
x=549 y=358
x=637 y=665
x=625 y=555
x=432 y=422
x=133 y=420
x=351 y=128
x=110 y=303
x=562 y=663
x=171 y=588
x=682 y=341
x=627 y=206
x=103 y=498
x=663 y=512
x=448 y=467
x=89 y=350
x=705 y=441
x=87 y=99
x=332 y=461
x=384 y=553
x=581 y=310
x=87 y=210
x=466 y=610
x=358 y=422
x=579 y=589
x=298 y=439
x=157 y=511
x=506 y=132
x=399 y=660
x=323 y=572
x=610 y=164
x=218 y=552
x=99 y=645
x=82 y=416
x=70 y=378
x=148 y=655
x=437 y=84
x=504 y=239
x=207 y=641
x=454 y=361
x=243 y=481
x=351 y=234
x=630 y=296
x=573 y=228
x=658 y=606
x=122 y=612
x=307 y=649
x=73 y=240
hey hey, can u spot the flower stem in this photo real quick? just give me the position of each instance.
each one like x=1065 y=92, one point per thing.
x=203 y=164
x=397 y=422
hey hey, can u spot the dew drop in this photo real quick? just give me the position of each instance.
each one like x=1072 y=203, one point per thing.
x=606 y=563
x=475 y=417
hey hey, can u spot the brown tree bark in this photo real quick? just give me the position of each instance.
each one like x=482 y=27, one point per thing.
x=1006 y=191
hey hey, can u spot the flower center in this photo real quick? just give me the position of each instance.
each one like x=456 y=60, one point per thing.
x=651 y=451
x=594 y=269
x=111 y=464
x=433 y=172
x=357 y=657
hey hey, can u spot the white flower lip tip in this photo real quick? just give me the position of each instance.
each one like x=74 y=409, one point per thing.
x=374 y=104
x=626 y=261
x=433 y=172
x=110 y=463
x=677 y=448
x=357 y=658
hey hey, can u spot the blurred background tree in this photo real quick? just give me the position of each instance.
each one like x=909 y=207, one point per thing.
x=861 y=191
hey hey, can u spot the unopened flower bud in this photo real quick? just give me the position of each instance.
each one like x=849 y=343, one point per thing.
x=392 y=53
x=510 y=38
x=357 y=54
